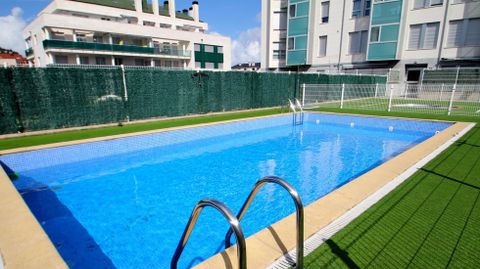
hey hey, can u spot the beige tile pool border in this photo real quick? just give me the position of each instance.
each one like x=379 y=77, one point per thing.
x=24 y=244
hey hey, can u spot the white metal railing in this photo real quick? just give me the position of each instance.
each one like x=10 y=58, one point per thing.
x=448 y=99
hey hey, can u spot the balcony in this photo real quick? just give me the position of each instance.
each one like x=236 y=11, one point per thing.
x=165 y=50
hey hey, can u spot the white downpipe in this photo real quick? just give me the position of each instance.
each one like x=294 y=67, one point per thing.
x=390 y=99
x=303 y=94
x=376 y=90
x=343 y=95
x=124 y=80
x=125 y=92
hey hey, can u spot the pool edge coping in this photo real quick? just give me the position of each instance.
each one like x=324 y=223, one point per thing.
x=10 y=196
x=278 y=240
x=23 y=242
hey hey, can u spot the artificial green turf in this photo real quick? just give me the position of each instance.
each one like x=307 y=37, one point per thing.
x=35 y=140
x=467 y=109
x=432 y=220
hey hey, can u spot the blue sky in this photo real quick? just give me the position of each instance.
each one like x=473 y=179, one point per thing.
x=238 y=19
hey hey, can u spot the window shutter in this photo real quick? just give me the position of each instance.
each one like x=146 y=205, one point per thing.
x=436 y=2
x=473 y=33
x=364 y=42
x=415 y=34
x=455 y=34
x=353 y=42
x=322 y=46
x=325 y=11
x=431 y=36
x=419 y=4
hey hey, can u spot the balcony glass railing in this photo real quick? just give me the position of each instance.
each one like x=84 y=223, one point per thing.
x=63 y=44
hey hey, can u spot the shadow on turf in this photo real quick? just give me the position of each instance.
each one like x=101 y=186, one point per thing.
x=342 y=254
x=449 y=178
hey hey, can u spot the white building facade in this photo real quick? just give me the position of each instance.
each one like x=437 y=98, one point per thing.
x=124 y=32
x=407 y=35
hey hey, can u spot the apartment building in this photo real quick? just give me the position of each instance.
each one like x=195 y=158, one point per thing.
x=124 y=32
x=407 y=35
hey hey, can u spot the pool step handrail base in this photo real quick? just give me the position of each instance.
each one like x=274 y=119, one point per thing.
x=299 y=213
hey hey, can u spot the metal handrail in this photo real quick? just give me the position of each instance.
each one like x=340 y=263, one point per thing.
x=234 y=226
x=293 y=106
x=299 y=208
x=299 y=105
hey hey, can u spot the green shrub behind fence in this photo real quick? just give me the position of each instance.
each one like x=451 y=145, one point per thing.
x=50 y=98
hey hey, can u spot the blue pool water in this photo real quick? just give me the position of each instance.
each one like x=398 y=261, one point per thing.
x=124 y=203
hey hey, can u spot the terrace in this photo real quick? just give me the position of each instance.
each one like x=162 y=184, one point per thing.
x=431 y=220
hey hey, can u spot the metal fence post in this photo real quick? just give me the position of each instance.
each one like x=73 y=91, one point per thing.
x=450 y=106
x=343 y=95
x=303 y=94
x=390 y=99
x=125 y=92
x=376 y=90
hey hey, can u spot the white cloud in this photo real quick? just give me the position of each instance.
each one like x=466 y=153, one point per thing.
x=246 y=48
x=11 y=30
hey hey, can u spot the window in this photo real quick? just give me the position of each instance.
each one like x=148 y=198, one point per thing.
x=81 y=38
x=84 y=60
x=358 y=42
x=197 y=47
x=219 y=49
x=361 y=8
x=368 y=7
x=166 y=26
x=473 y=32
x=139 y=62
x=100 y=61
x=279 y=20
x=279 y=54
x=157 y=63
x=168 y=64
x=357 y=8
x=61 y=59
x=291 y=43
x=105 y=19
x=464 y=33
x=325 y=11
x=423 y=36
x=58 y=35
x=209 y=65
x=220 y=66
x=148 y=23
x=417 y=4
x=198 y=65
x=98 y=39
x=375 y=34
x=118 y=61
x=293 y=11
x=322 y=51
x=464 y=1
x=208 y=48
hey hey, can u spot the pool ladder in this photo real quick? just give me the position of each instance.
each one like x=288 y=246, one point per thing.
x=297 y=111
x=235 y=227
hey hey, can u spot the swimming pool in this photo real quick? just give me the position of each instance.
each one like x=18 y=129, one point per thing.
x=124 y=203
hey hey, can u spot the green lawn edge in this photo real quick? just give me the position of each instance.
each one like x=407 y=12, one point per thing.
x=65 y=136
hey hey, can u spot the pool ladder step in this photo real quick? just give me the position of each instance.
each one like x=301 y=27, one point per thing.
x=236 y=228
x=297 y=111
